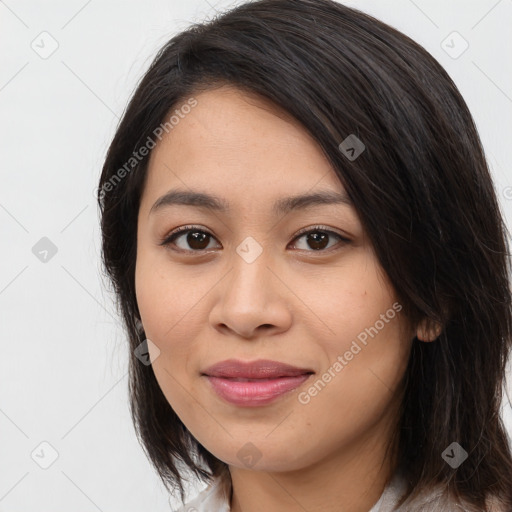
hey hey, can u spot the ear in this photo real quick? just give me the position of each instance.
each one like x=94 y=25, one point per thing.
x=428 y=330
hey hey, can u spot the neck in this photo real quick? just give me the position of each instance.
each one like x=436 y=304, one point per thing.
x=350 y=479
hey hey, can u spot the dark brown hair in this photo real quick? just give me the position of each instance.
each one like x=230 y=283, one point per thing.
x=421 y=188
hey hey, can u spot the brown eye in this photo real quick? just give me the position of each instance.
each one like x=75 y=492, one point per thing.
x=318 y=239
x=197 y=239
x=193 y=239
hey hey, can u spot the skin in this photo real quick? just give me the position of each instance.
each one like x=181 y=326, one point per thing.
x=292 y=304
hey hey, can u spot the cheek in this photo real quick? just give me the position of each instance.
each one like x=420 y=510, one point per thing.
x=349 y=301
x=168 y=318
x=164 y=296
x=160 y=310
x=365 y=349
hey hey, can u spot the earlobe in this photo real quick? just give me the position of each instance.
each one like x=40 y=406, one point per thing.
x=428 y=330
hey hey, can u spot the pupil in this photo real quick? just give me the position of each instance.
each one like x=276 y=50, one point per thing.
x=316 y=240
x=196 y=240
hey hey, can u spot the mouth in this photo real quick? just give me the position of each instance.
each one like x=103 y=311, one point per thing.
x=255 y=383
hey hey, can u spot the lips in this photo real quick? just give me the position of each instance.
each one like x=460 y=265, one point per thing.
x=261 y=369
x=256 y=383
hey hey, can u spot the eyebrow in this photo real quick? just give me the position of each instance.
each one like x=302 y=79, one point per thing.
x=281 y=206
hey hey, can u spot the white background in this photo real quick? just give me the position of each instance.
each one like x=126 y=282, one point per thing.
x=63 y=357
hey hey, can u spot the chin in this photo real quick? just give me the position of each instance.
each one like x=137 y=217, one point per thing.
x=262 y=456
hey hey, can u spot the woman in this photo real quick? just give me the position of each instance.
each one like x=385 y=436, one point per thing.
x=310 y=261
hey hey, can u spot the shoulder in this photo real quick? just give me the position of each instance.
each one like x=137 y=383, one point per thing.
x=214 y=498
x=439 y=498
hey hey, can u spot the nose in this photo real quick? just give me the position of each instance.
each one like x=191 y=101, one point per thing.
x=254 y=301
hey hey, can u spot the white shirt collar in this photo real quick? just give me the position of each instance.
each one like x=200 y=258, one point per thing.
x=216 y=496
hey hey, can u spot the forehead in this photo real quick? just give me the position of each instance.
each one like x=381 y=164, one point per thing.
x=237 y=144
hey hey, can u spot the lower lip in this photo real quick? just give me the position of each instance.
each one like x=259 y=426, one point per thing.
x=256 y=392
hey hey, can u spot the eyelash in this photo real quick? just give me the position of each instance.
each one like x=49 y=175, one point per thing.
x=170 y=239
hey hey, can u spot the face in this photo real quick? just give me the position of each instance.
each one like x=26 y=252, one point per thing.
x=298 y=285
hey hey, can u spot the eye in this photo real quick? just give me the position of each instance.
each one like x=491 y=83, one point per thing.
x=318 y=238
x=198 y=239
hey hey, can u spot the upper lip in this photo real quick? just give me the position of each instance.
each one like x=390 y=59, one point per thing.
x=260 y=369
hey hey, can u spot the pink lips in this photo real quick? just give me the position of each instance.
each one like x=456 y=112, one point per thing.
x=254 y=383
